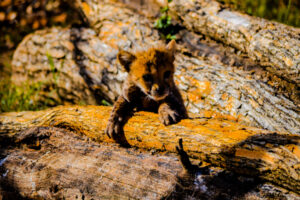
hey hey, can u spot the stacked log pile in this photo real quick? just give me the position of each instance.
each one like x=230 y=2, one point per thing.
x=242 y=127
x=86 y=68
x=274 y=45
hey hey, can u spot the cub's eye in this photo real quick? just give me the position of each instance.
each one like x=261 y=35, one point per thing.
x=167 y=74
x=148 y=78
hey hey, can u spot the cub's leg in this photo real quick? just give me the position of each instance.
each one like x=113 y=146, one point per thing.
x=120 y=114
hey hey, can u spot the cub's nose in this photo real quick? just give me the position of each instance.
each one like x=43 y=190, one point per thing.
x=160 y=90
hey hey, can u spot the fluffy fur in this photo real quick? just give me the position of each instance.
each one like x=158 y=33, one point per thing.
x=149 y=86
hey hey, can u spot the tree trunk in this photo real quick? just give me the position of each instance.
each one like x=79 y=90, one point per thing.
x=274 y=45
x=86 y=70
x=245 y=150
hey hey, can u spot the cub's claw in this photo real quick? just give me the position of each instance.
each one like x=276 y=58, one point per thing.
x=115 y=131
x=168 y=116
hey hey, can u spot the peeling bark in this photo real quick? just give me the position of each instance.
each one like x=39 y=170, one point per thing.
x=245 y=150
x=85 y=60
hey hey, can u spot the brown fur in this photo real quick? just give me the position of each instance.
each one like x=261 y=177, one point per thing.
x=149 y=86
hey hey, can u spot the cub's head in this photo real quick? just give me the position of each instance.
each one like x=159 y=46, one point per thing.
x=152 y=70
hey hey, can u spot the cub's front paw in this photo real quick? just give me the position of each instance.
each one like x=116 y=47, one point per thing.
x=168 y=116
x=114 y=130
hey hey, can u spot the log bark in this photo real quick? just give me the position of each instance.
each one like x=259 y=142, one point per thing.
x=274 y=157
x=85 y=61
x=54 y=163
x=273 y=45
x=217 y=50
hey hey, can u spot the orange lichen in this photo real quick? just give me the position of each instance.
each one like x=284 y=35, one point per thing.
x=255 y=155
x=201 y=88
x=224 y=96
x=288 y=61
x=203 y=137
x=295 y=149
x=86 y=8
x=229 y=104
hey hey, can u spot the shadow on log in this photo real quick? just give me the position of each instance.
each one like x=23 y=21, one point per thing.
x=245 y=150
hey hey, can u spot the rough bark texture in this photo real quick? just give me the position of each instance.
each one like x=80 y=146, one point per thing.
x=274 y=45
x=65 y=166
x=208 y=47
x=40 y=157
x=85 y=61
x=54 y=163
x=250 y=151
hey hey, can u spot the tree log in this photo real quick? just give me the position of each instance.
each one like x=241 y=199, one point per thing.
x=53 y=163
x=245 y=150
x=199 y=44
x=65 y=166
x=274 y=45
x=85 y=61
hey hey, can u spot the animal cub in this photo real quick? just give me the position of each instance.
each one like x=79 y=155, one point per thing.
x=149 y=86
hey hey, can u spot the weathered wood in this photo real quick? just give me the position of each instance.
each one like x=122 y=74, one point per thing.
x=54 y=163
x=65 y=166
x=246 y=150
x=274 y=45
x=85 y=61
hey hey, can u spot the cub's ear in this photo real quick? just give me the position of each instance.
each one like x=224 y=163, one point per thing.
x=126 y=58
x=171 y=47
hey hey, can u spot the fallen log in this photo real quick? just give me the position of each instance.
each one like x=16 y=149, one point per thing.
x=54 y=163
x=85 y=67
x=65 y=166
x=208 y=47
x=273 y=45
x=245 y=150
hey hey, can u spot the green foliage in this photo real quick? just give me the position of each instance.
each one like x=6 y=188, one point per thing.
x=30 y=96
x=164 y=24
x=27 y=96
x=105 y=103
x=19 y=98
x=52 y=67
x=285 y=11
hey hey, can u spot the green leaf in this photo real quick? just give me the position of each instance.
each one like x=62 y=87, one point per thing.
x=105 y=103
x=171 y=37
x=169 y=19
x=52 y=67
x=164 y=9
x=50 y=61
x=158 y=24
